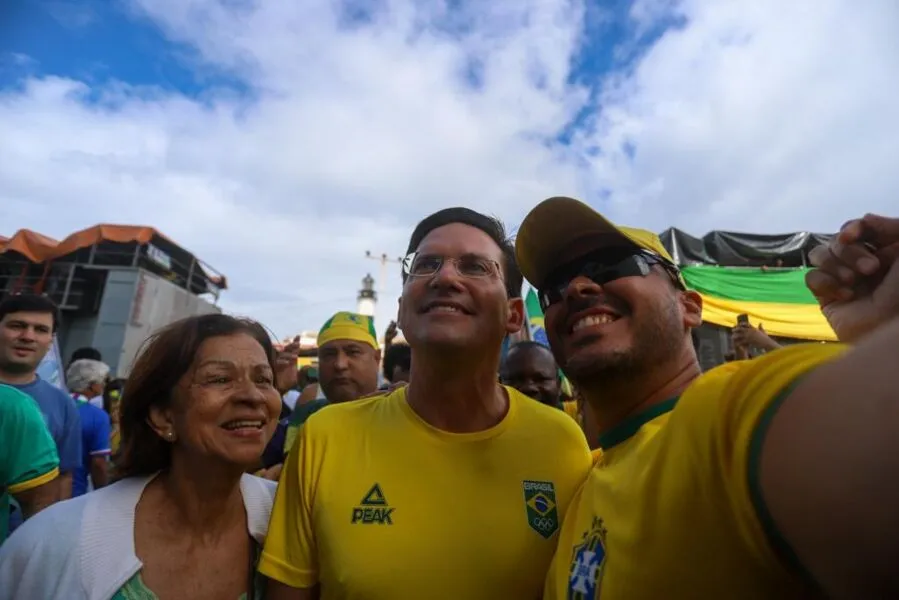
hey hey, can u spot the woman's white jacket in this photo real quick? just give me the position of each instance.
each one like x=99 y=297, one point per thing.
x=83 y=548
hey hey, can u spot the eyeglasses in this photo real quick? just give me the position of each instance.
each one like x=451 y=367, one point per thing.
x=600 y=268
x=428 y=265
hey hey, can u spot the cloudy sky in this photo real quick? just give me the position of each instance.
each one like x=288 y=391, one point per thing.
x=281 y=140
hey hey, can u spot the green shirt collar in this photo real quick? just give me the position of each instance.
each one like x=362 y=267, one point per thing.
x=627 y=428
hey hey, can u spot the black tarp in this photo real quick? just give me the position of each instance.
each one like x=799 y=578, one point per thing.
x=730 y=249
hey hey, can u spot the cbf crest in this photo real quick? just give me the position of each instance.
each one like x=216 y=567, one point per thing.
x=540 y=503
x=587 y=562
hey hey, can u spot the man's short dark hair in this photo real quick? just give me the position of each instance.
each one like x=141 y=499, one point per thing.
x=29 y=303
x=86 y=353
x=529 y=345
x=526 y=345
x=492 y=226
x=396 y=355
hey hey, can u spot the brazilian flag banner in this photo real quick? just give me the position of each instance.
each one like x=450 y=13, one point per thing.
x=537 y=329
x=536 y=326
x=778 y=299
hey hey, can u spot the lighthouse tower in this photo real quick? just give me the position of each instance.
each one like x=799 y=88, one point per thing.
x=367 y=298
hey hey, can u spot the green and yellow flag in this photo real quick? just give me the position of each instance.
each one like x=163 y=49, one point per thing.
x=776 y=298
x=537 y=329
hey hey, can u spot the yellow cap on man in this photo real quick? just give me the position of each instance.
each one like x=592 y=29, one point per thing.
x=349 y=326
x=554 y=224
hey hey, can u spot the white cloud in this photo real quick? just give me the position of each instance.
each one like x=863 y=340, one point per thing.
x=751 y=116
x=761 y=116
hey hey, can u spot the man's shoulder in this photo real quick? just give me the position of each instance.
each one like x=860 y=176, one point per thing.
x=733 y=396
x=551 y=420
x=303 y=411
x=764 y=374
x=44 y=391
x=340 y=416
x=13 y=401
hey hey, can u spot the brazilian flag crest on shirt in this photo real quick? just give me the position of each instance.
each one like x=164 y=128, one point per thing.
x=540 y=505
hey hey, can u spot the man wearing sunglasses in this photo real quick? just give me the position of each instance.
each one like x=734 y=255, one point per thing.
x=451 y=487
x=738 y=483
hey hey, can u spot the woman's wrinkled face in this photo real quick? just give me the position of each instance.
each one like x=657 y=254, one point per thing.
x=226 y=405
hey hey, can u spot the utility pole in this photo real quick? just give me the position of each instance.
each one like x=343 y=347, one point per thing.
x=384 y=260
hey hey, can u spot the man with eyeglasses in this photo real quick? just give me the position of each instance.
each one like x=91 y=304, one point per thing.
x=450 y=487
x=769 y=478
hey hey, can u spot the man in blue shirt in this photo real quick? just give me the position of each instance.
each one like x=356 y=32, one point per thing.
x=86 y=379
x=27 y=325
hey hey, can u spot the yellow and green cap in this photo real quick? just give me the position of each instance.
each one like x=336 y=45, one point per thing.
x=349 y=326
x=554 y=224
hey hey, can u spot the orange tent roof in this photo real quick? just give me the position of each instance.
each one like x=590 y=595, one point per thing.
x=39 y=248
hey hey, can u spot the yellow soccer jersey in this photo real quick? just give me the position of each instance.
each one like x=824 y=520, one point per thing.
x=672 y=508
x=375 y=503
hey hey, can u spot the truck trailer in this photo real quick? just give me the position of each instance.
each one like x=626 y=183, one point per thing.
x=114 y=285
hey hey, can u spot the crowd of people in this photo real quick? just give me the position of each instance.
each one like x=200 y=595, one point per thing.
x=443 y=467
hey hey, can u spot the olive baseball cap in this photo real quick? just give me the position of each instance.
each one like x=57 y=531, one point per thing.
x=551 y=227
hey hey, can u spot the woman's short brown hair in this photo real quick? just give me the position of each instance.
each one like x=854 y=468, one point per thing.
x=164 y=358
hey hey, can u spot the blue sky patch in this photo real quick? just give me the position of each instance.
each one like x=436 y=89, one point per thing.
x=104 y=41
x=99 y=41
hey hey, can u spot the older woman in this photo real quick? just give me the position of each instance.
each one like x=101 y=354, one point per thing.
x=86 y=379
x=184 y=521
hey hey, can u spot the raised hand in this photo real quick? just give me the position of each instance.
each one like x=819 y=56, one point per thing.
x=390 y=333
x=856 y=279
x=286 y=367
x=748 y=336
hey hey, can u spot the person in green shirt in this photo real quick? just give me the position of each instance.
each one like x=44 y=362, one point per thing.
x=28 y=458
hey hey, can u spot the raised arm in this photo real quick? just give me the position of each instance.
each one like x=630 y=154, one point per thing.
x=830 y=456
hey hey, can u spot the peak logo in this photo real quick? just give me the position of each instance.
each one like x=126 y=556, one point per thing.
x=373 y=510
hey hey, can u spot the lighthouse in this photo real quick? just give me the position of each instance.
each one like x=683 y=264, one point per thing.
x=367 y=298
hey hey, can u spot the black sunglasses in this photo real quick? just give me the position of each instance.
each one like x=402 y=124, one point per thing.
x=601 y=268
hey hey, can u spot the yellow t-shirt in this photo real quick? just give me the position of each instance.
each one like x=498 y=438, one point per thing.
x=375 y=503
x=672 y=508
